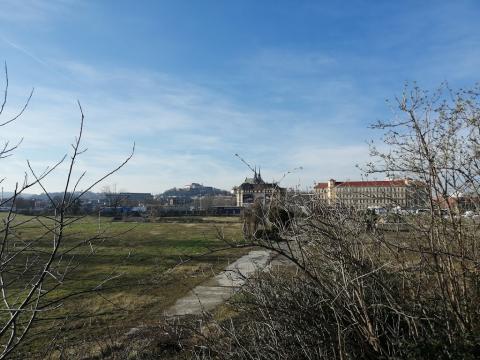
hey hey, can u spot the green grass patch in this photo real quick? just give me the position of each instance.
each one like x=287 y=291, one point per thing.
x=143 y=264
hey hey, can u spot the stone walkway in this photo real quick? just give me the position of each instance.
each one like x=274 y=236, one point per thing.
x=215 y=291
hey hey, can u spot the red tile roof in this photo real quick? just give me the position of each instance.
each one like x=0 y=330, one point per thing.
x=375 y=183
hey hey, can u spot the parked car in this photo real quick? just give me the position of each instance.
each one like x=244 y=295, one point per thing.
x=378 y=210
x=422 y=211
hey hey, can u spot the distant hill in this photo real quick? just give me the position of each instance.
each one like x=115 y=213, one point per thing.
x=89 y=195
x=193 y=190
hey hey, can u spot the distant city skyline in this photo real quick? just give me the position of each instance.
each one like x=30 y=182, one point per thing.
x=285 y=84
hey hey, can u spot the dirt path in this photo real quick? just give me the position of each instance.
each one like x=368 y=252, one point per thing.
x=215 y=291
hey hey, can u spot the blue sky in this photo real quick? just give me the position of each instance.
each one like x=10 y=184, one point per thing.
x=282 y=83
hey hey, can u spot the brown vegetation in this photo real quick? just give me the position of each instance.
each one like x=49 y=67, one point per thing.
x=359 y=292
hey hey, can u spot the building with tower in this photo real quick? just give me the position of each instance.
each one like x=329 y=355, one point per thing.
x=256 y=190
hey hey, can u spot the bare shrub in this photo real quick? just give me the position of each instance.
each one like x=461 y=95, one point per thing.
x=35 y=268
x=348 y=289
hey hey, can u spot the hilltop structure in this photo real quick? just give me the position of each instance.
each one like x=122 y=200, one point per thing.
x=255 y=190
x=405 y=193
x=189 y=193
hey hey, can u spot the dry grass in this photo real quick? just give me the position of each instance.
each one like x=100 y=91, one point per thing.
x=150 y=267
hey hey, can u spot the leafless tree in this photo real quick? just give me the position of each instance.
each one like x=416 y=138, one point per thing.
x=34 y=268
x=343 y=291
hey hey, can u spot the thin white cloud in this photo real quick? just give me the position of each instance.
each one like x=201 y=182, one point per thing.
x=323 y=163
x=286 y=62
x=184 y=132
x=23 y=50
x=182 y=129
x=28 y=11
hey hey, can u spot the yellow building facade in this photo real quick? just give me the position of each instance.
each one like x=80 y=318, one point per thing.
x=403 y=193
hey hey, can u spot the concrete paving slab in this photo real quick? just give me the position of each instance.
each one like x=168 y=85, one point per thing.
x=221 y=287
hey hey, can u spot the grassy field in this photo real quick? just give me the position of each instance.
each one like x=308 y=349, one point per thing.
x=142 y=262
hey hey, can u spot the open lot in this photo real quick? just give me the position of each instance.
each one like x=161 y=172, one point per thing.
x=147 y=267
